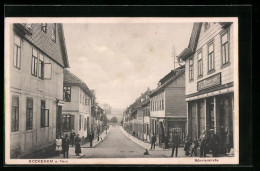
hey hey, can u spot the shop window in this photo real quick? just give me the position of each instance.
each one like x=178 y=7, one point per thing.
x=44 y=27
x=200 y=65
x=225 y=48
x=191 y=69
x=29 y=113
x=15 y=113
x=53 y=32
x=44 y=115
x=211 y=59
x=17 y=52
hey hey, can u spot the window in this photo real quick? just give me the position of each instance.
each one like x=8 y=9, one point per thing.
x=34 y=62
x=67 y=93
x=191 y=69
x=41 y=67
x=210 y=57
x=85 y=124
x=83 y=100
x=68 y=122
x=17 y=52
x=53 y=33
x=225 y=48
x=87 y=101
x=79 y=122
x=44 y=115
x=44 y=27
x=29 y=113
x=15 y=113
x=206 y=26
x=200 y=65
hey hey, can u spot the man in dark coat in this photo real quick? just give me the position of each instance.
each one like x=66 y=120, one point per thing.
x=214 y=143
x=65 y=146
x=91 y=138
x=72 y=136
x=203 y=144
x=175 y=144
x=153 y=141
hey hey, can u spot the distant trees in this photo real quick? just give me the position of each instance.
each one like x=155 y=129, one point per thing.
x=114 y=119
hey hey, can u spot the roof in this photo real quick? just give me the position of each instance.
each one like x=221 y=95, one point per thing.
x=177 y=72
x=55 y=50
x=138 y=102
x=71 y=79
x=192 y=43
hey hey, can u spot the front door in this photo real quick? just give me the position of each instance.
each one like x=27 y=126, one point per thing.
x=58 y=121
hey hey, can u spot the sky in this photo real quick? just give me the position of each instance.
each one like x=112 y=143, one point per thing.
x=121 y=60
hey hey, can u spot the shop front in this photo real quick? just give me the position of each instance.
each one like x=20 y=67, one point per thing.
x=215 y=112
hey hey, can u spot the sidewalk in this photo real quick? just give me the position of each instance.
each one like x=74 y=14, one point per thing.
x=141 y=143
x=84 y=147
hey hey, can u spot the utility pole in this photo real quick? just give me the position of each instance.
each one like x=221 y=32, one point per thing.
x=174 y=56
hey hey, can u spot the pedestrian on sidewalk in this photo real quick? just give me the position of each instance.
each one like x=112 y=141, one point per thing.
x=195 y=145
x=58 y=145
x=203 y=143
x=175 y=144
x=77 y=144
x=91 y=137
x=153 y=142
x=65 y=146
x=214 y=143
x=187 y=145
x=72 y=136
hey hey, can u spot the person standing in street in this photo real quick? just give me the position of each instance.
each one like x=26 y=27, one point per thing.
x=77 y=144
x=203 y=144
x=153 y=142
x=65 y=146
x=72 y=136
x=187 y=145
x=175 y=144
x=195 y=146
x=58 y=145
x=91 y=137
x=214 y=143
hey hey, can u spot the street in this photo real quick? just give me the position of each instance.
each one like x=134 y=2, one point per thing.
x=117 y=145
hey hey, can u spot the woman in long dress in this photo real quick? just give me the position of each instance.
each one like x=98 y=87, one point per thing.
x=77 y=143
x=58 y=145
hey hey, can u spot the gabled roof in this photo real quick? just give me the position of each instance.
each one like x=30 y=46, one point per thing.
x=192 y=43
x=55 y=50
x=177 y=72
x=71 y=79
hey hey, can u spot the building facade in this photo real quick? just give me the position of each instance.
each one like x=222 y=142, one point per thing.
x=209 y=62
x=37 y=59
x=76 y=113
x=167 y=106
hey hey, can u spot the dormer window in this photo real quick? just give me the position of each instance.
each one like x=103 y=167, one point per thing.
x=206 y=26
x=53 y=33
x=44 y=27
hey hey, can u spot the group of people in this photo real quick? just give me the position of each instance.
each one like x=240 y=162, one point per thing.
x=207 y=141
x=62 y=143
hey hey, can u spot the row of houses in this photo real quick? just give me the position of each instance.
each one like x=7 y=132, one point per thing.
x=197 y=96
x=47 y=100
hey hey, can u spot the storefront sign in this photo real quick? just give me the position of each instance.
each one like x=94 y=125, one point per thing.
x=209 y=82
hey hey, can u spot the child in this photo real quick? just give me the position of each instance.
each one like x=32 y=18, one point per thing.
x=146 y=152
x=58 y=145
x=195 y=146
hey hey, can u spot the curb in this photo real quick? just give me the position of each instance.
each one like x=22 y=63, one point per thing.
x=102 y=139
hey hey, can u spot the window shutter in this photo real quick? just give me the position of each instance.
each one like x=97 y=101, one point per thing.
x=47 y=70
x=72 y=121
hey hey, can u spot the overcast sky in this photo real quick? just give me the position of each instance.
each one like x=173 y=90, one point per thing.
x=119 y=61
